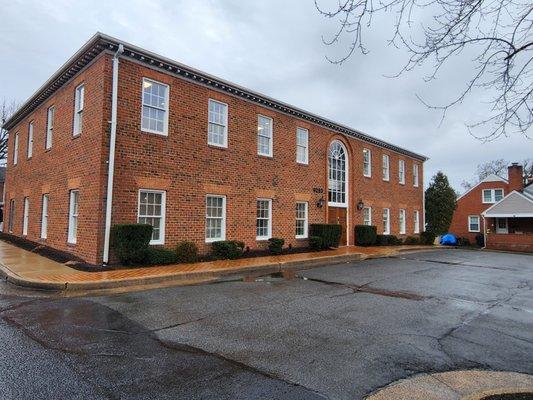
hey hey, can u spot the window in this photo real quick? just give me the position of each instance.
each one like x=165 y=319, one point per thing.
x=264 y=219
x=367 y=216
x=11 y=215
x=44 y=217
x=301 y=220
x=26 y=216
x=337 y=167
x=415 y=175
x=401 y=172
x=492 y=195
x=473 y=223
x=30 y=139
x=16 y=149
x=386 y=221
x=73 y=216
x=79 y=99
x=152 y=212
x=386 y=167
x=264 y=136
x=217 y=132
x=155 y=107
x=49 y=127
x=367 y=163
x=402 y=222
x=302 y=146
x=416 y=220
x=215 y=218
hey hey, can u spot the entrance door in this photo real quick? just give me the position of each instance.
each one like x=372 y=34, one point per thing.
x=337 y=215
x=501 y=225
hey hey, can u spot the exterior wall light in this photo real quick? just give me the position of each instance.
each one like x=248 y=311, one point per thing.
x=320 y=203
x=360 y=205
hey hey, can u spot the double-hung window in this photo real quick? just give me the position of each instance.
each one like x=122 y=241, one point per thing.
x=152 y=212
x=367 y=163
x=217 y=131
x=215 y=218
x=16 y=149
x=264 y=219
x=473 y=223
x=26 y=216
x=416 y=220
x=44 y=217
x=11 y=215
x=73 y=216
x=79 y=99
x=49 y=127
x=302 y=146
x=386 y=167
x=155 y=107
x=386 y=221
x=492 y=195
x=30 y=139
x=415 y=175
x=264 y=136
x=402 y=222
x=401 y=172
x=301 y=220
x=367 y=216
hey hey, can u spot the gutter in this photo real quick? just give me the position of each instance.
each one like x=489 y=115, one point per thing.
x=112 y=144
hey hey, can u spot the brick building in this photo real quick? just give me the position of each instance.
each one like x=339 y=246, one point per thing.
x=120 y=134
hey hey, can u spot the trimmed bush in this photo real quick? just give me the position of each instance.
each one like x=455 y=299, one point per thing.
x=159 y=256
x=388 y=240
x=186 y=252
x=275 y=245
x=365 y=235
x=462 y=241
x=330 y=234
x=395 y=241
x=411 y=240
x=130 y=242
x=427 y=237
x=227 y=249
x=315 y=243
x=480 y=240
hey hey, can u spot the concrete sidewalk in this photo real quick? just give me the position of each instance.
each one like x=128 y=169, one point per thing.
x=24 y=268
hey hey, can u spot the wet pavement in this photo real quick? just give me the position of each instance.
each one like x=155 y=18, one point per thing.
x=338 y=332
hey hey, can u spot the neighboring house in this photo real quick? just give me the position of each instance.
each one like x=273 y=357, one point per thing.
x=197 y=157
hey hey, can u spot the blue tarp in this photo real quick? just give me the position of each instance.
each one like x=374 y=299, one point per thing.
x=448 y=240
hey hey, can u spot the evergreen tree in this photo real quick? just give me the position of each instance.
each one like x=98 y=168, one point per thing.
x=441 y=200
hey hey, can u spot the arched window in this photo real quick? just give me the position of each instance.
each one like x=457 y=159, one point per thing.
x=337 y=174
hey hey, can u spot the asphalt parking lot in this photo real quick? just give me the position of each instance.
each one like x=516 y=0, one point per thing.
x=337 y=332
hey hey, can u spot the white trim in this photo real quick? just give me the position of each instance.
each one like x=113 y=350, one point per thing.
x=387 y=177
x=369 y=152
x=226 y=117
x=401 y=172
x=79 y=102
x=369 y=216
x=502 y=230
x=44 y=215
x=269 y=226
x=306 y=220
x=386 y=228
x=492 y=195
x=416 y=174
x=347 y=178
x=167 y=109
x=26 y=216
x=490 y=178
x=73 y=234
x=48 y=139
x=402 y=221
x=416 y=222
x=223 y=224
x=484 y=213
x=29 y=149
x=16 y=149
x=478 y=223
x=271 y=141
x=306 y=161
x=163 y=212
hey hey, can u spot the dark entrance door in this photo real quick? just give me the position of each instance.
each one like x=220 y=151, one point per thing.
x=337 y=215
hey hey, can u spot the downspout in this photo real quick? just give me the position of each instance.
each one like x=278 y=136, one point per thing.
x=484 y=232
x=111 y=168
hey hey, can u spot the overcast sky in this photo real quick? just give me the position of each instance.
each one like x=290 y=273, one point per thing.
x=274 y=47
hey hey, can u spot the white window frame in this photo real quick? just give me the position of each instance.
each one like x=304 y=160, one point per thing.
x=163 y=193
x=415 y=175
x=305 y=160
x=386 y=167
x=367 y=164
x=26 y=216
x=50 y=116
x=11 y=222
x=386 y=227
x=401 y=172
x=166 y=109
x=416 y=222
x=44 y=216
x=402 y=221
x=470 y=224
x=271 y=137
x=346 y=181
x=73 y=213
x=369 y=220
x=305 y=219
x=223 y=219
x=79 y=100
x=29 y=151
x=492 y=195
x=16 y=149
x=225 y=125
x=269 y=225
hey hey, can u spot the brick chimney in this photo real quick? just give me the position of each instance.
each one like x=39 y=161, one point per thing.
x=516 y=179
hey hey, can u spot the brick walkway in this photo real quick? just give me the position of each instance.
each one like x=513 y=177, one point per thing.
x=29 y=269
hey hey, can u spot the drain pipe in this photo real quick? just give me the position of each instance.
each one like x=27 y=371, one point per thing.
x=111 y=167
x=484 y=232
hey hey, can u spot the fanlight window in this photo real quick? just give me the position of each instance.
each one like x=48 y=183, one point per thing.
x=337 y=175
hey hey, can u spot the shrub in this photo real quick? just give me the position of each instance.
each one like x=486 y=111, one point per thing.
x=462 y=241
x=130 y=242
x=427 y=237
x=227 y=249
x=411 y=240
x=315 y=243
x=275 y=245
x=158 y=256
x=480 y=240
x=329 y=233
x=186 y=252
x=388 y=240
x=365 y=235
x=395 y=241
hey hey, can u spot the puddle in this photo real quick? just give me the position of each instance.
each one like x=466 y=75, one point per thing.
x=274 y=277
